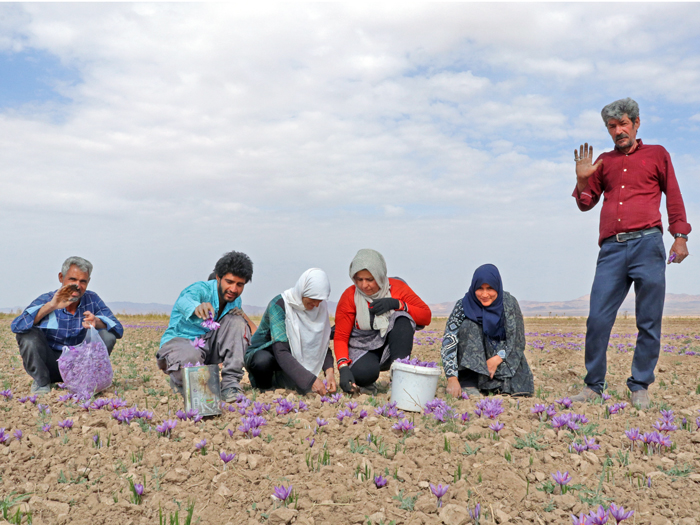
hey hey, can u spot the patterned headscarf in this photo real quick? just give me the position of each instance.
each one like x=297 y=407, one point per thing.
x=490 y=317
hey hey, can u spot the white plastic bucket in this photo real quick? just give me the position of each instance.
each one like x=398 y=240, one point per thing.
x=413 y=386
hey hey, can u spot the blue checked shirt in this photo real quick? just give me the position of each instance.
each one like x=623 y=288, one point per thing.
x=63 y=328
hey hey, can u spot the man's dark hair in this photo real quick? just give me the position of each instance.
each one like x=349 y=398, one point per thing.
x=237 y=263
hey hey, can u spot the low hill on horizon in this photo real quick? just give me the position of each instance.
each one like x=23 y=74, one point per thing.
x=676 y=305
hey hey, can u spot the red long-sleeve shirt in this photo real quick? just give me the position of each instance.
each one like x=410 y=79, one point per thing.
x=632 y=185
x=345 y=313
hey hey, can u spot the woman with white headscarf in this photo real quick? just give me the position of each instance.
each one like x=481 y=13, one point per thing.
x=290 y=347
x=374 y=322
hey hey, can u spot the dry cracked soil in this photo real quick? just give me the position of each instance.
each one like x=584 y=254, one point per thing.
x=58 y=476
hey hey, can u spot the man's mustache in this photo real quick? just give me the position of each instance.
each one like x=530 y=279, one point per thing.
x=621 y=136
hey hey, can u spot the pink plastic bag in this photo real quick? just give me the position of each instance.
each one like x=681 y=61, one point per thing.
x=86 y=368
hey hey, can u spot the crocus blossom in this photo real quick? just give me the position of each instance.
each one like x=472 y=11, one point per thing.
x=618 y=513
x=198 y=342
x=210 y=323
x=380 y=481
x=439 y=492
x=282 y=493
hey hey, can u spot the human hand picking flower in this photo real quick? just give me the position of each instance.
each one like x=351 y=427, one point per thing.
x=203 y=310
x=319 y=388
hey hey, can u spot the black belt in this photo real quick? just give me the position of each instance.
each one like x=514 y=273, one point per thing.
x=628 y=236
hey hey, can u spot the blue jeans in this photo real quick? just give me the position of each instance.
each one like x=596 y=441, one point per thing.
x=642 y=262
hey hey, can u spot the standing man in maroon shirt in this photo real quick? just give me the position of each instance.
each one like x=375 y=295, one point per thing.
x=631 y=178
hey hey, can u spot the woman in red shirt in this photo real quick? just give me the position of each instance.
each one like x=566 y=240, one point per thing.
x=374 y=322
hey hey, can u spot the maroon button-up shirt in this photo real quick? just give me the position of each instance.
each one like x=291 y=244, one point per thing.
x=632 y=186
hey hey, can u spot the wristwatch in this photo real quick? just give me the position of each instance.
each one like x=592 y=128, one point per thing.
x=682 y=235
x=501 y=354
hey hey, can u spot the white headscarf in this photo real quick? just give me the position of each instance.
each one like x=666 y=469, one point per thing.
x=374 y=263
x=308 y=331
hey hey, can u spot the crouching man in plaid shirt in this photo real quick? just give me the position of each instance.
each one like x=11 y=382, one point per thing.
x=61 y=318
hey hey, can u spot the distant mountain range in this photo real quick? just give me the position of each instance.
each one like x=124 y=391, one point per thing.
x=676 y=305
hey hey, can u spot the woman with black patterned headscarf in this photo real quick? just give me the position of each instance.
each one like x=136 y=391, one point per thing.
x=483 y=349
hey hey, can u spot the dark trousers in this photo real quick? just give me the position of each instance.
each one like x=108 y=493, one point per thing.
x=41 y=361
x=642 y=262
x=400 y=340
x=264 y=369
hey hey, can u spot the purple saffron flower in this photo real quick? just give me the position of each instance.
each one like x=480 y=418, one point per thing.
x=18 y=434
x=138 y=489
x=559 y=421
x=581 y=520
x=363 y=414
x=538 y=409
x=66 y=424
x=564 y=401
x=4 y=438
x=343 y=414
x=352 y=405
x=633 y=435
x=618 y=513
x=380 y=481
x=210 y=323
x=599 y=517
x=562 y=480
x=46 y=427
x=404 y=426
x=321 y=422
x=7 y=394
x=465 y=417
x=474 y=515
x=43 y=409
x=590 y=443
x=464 y=395
x=198 y=342
x=578 y=447
x=201 y=444
x=226 y=457
x=439 y=492
x=33 y=399
x=336 y=398
x=605 y=396
x=496 y=426
x=311 y=442
x=282 y=493
x=303 y=407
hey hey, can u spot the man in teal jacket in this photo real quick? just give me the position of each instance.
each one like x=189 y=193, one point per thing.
x=208 y=326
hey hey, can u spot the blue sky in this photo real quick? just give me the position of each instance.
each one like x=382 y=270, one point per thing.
x=152 y=138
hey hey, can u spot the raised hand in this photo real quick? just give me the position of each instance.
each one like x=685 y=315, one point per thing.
x=584 y=165
x=64 y=296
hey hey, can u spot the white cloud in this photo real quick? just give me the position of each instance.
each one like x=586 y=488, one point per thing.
x=302 y=132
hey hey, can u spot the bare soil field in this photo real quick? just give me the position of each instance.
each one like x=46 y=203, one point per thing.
x=330 y=451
